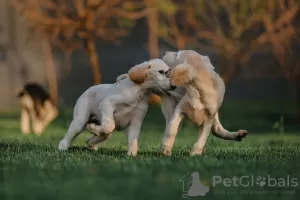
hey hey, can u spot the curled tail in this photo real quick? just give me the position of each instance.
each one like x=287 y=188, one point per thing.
x=220 y=132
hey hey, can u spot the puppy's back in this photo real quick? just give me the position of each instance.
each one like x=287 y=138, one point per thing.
x=208 y=83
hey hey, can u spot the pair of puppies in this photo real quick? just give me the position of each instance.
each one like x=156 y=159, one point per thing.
x=103 y=108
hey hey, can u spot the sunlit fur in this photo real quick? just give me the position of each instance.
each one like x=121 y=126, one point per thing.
x=203 y=96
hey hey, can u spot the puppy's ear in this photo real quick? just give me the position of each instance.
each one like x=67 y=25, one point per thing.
x=138 y=73
x=193 y=60
x=180 y=75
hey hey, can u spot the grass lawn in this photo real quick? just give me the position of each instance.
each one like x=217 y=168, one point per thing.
x=31 y=167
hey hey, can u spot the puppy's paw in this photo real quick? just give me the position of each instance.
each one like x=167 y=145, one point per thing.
x=196 y=151
x=94 y=128
x=240 y=134
x=132 y=153
x=92 y=147
x=166 y=150
x=63 y=145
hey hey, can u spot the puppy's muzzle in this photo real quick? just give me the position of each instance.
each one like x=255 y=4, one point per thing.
x=168 y=73
x=172 y=87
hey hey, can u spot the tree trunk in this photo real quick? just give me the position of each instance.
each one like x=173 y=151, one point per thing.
x=93 y=59
x=50 y=70
x=152 y=21
x=14 y=46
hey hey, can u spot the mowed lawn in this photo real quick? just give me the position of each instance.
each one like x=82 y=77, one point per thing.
x=31 y=167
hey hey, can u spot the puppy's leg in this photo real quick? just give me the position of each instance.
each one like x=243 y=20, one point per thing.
x=170 y=133
x=222 y=133
x=168 y=105
x=94 y=140
x=107 y=120
x=135 y=128
x=37 y=126
x=50 y=113
x=202 y=137
x=25 y=121
x=80 y=118
x=37 y=123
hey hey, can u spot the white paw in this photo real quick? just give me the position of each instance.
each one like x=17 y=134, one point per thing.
x=63 y=145
x=196 y=151
x=132 y=153
x=166 y=150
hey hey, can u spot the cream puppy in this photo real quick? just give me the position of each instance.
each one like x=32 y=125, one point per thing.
x=117 y=106
x=201 y=102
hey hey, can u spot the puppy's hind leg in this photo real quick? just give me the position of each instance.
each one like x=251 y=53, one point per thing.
x=94 y=140
x=202 y=137
x=222 y=133
x=80 y=118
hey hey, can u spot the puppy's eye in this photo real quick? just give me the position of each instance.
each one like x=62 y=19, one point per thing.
x=161 y=71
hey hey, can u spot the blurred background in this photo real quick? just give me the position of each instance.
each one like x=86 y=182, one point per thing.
x=70 y=45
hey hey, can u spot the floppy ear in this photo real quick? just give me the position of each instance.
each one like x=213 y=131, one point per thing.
x=179 y=75
x=194 y=60
x=138 y=73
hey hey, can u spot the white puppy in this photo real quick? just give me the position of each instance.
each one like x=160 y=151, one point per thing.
x=117 y=106
x=210 y=98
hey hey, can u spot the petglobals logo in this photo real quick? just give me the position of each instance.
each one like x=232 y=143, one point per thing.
x=253 y=181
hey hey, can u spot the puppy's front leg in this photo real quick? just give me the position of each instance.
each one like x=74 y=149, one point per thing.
x=107 y=125
x=171 y=132
x=202 y=137
x=25 y=121
x=135 y=128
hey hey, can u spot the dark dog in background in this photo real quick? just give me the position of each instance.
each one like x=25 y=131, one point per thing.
x=37 y=107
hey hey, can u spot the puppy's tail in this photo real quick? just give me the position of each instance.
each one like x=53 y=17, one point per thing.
x=120 y=77
x=219 y=131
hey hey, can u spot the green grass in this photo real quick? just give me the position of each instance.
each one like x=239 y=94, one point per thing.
x=31 y=167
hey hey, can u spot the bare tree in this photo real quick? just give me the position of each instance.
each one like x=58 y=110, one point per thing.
x=105 y=19
x=152 y=21
x=236 y=28
x=172 y=27
x=32 y=11
x=69 y=23
x=282 y=33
